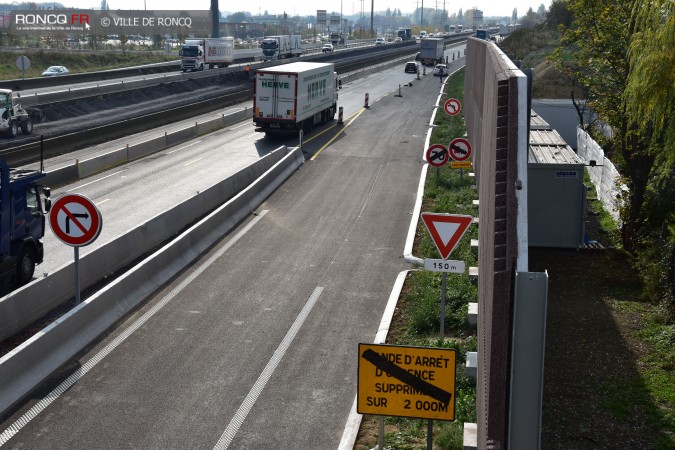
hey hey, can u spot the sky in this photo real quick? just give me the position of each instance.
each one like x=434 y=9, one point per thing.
x=308 y=7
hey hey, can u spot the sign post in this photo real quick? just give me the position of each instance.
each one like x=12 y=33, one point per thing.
x=75 y=221
x=446 y=230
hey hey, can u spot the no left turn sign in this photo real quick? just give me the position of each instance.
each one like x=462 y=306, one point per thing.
x=437 y=155
x=75 y=220
x=452 y=106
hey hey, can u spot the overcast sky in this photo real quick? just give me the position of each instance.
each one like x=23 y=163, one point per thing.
x=307 y=7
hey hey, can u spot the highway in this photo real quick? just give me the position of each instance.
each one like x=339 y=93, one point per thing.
x=255 y=345
x=128 y=196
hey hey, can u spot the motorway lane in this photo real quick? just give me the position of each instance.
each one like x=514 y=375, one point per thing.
x=333 y=235
x=131 y=194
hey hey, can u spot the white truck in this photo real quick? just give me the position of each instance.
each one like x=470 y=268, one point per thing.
x=280 y=47
x=199 y=53
x=293 y=97
x=431 y=51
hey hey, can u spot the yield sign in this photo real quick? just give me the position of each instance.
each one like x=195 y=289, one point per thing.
x=446 y=230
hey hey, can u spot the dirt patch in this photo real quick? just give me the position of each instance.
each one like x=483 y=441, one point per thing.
x=86 y=113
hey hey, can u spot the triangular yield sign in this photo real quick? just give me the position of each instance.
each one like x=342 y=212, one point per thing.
x=446 y=230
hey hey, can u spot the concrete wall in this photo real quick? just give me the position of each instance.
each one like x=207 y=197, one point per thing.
x=26 y=366
x=605 y=176
x=496 y=118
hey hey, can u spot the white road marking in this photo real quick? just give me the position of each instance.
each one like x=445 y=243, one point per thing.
x=193 y=161
x=98 y=357
x=181 y=148
x=246 y=406
x=103 y=201
x=95 y=181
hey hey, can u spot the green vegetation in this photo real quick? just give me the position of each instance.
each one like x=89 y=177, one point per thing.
x=620 y=54
x=76 y=62
x=418 y=319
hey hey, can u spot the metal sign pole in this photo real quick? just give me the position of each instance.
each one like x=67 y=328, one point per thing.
x=77 y=274
x=445 y=276
x=430 y=434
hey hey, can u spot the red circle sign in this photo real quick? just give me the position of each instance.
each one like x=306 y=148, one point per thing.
x=437 y=155
x=75 y=220
x=460 y=149
x=452 y=106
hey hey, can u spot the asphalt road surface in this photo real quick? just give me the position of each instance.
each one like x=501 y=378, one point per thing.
x=255 y=346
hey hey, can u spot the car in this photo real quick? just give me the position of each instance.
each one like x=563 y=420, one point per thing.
x=55 y=71
x=418 y=56
x=327 y=48
x=412 y=67
x=437 y=70
x=380 y=41
x=398 y=39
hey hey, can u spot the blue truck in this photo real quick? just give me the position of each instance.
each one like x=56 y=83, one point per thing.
x=23 y=207
x=483 y=34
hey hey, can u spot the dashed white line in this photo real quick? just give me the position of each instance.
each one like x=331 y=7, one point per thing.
x=95 y=181
x=98 y=357
x=183 y=147
x=246 y=406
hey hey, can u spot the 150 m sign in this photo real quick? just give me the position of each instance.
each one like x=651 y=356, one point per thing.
x=406 y=381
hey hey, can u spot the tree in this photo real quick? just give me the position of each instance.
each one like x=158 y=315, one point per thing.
x=238 y=17
x=598 y=42
x=559 y=14
x=514 y=16
x=651 y=84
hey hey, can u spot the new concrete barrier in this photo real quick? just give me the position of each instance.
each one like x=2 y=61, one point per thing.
x=26 y=366
x=23 y=306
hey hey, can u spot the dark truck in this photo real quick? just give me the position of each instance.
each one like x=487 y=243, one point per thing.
x=22 y=222
x=405 y=33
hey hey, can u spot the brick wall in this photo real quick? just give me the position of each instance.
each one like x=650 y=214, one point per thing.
x=493 y=101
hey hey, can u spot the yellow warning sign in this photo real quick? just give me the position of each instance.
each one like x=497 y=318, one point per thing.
x=461 y=164
x=405 y=381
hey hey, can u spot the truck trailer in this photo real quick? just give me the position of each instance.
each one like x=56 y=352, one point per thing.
x=293 y=97
x=199 y=53
x=405 y=33
x=431 y=51
x=280 y=47
x=22 y=222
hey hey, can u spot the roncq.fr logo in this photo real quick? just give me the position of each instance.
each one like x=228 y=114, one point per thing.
x=51 y=19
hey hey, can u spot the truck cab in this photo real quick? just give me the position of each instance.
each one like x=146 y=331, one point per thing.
x=271 y=48
x=192 y=55
x=23 y=206
x=12 y=116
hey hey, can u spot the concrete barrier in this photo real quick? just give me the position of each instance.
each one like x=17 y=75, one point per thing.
x=99 y=163
x=26 y=366
x=146 y=148
x=27 y=304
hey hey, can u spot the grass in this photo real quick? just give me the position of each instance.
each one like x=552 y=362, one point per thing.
x=418 y=318
x=619 y=403
x=74 y=61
